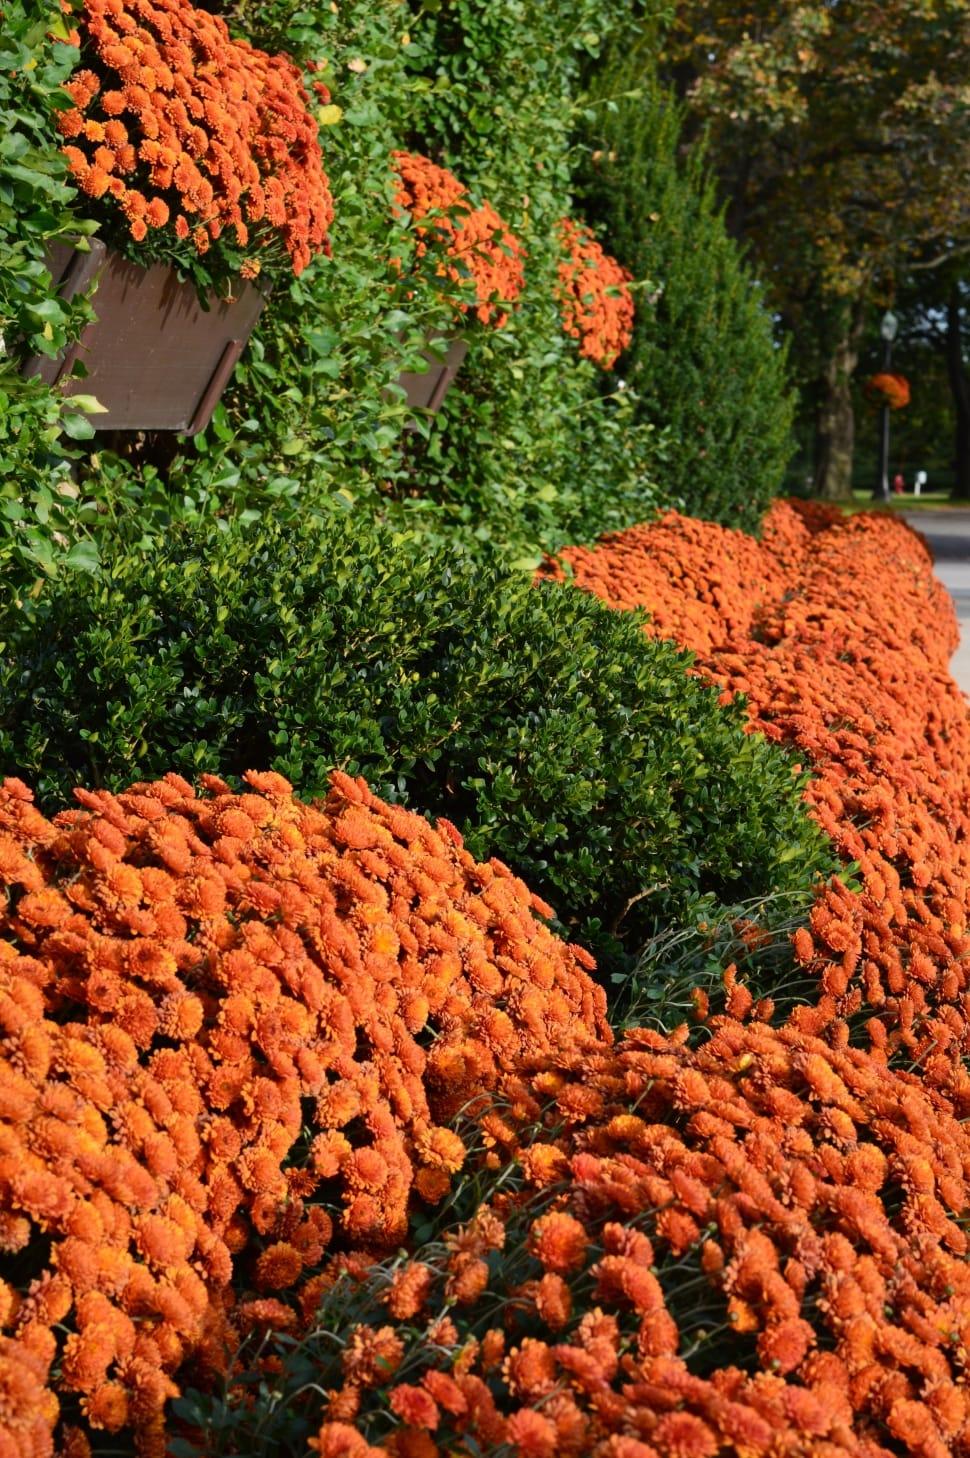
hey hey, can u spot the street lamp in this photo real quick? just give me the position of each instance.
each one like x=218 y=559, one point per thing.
x=889 y=328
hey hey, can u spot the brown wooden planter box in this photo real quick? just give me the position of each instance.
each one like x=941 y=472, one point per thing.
x=427 y=389
x=155 y=359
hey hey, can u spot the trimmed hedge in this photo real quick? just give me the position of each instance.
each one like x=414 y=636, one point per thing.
x=545 y=725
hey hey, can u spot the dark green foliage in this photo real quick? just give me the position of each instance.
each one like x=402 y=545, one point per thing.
x=544 y=724
x=703 y=361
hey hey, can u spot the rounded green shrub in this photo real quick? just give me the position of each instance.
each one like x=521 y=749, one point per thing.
x=548 y=727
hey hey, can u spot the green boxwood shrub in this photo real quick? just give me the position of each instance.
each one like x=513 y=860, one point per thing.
x=548 y=727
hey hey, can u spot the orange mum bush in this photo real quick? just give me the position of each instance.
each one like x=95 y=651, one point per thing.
x=476 y=240
x=889 y=388
x=838 y=634
x=594 y=296
x=231 y=1026
x=752 y=1247
x=187 y=130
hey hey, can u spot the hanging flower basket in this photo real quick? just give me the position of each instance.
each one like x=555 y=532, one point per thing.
x=472 y=251
x=472 y=248
x=197 y=152
x=155 y=358
x=888 y=389
x=194 y=147
x=594 y=294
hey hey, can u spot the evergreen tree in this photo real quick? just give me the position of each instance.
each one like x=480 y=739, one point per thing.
x=703 y=362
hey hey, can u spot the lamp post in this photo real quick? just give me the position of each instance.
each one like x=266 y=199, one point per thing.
x=888 y=329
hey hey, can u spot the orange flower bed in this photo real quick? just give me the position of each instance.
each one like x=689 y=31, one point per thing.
x=742 y=1220
x=184 y=128
x=225 y=1016
x=477 y=240
x=754 y=1241
x=221 y=1017
x=838 y=634
x=594 y=296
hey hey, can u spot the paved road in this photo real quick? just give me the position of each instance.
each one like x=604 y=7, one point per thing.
x=948 y=533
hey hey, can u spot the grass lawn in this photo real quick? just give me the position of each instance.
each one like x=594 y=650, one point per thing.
x=926 y=501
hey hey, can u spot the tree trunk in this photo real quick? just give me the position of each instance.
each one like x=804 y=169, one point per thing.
x=835 y=423
x=960 y=390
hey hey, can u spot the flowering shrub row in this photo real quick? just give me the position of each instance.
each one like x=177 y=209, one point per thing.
x=711 y=1262
x=220 y=1096
x=187 y=130
x=752 y=1243
x=221 y=1018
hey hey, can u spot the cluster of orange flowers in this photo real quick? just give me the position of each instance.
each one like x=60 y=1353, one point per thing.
x=788 y=1198
x=838 y=634
x=594 y=296
x=233 y=1029
x=185 y=128
x=477 y=240
x=889 y=388
x=813 y=1193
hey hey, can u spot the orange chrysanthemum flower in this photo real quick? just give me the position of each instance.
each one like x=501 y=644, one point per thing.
x=415 y=1406
x=559 y=1241
x=212 y=136
x=479 y=243
x=594 y=296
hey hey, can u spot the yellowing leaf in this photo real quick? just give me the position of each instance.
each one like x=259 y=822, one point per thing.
x=329 y=116
x=90 y=404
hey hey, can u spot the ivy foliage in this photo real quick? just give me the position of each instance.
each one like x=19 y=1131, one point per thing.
x=43 y=520
x=704 y=361
x=545 y=725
